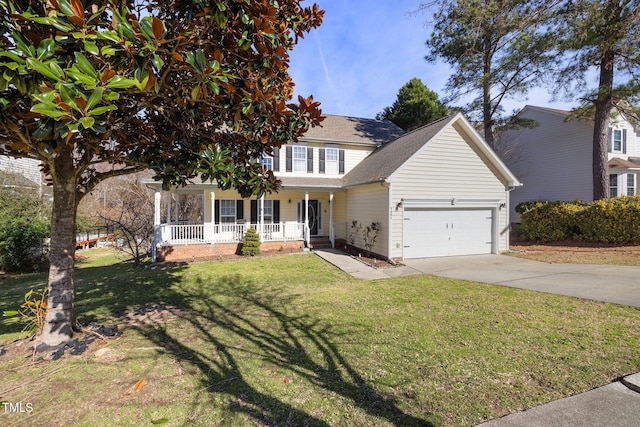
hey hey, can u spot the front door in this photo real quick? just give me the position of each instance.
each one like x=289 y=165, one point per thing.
x=315 y=216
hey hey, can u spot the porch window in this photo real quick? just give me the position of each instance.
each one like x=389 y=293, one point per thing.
x=271 y=212
x=268 y=211
x=299 y=158
x=631 y=184
x=227 y=211
x=613 y=185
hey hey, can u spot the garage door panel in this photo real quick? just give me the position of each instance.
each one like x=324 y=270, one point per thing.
x=447 y=232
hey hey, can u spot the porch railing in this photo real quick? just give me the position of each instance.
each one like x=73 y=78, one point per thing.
x=183 y=234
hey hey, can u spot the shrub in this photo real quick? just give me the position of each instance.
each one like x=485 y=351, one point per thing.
x=24 y=223
x=550 y=221
x=251 y=243
x=614 y=220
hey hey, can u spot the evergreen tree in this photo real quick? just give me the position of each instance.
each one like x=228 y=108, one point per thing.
x=415 y=106
x=251 y=242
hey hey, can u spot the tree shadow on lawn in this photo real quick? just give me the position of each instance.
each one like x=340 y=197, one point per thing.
x=239 y=320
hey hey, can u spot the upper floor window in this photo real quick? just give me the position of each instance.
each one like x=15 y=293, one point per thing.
x=299 y=159
x=267 y=162
x=631 y=184
x=331 y=160
x=617 y=141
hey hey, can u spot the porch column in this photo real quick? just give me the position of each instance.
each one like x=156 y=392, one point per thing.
x=156 y=224
x=307 y=232
x=261 y=219
x=169 y=201
x=209 y=212
x=332 y=236
x=177 y=211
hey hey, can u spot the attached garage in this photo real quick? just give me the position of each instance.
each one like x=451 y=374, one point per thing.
x=443 y=190
x=447 y=232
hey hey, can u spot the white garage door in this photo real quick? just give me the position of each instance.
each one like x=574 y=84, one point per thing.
x=446 y=232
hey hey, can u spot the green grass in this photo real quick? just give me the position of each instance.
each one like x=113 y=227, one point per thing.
x=290 y=340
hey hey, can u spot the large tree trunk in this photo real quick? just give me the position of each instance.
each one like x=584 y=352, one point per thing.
x=487 y=118
x=603 y=105
x=60 y=317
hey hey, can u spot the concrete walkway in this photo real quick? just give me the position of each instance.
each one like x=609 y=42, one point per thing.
x=613 y=405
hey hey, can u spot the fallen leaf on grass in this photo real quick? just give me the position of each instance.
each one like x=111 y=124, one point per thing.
x=136 y=387
x=286 y=380
x=160 y=421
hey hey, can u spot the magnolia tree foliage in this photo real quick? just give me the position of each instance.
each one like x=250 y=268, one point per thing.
x=184 y=87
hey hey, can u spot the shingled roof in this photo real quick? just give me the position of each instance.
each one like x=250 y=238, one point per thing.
x=355 y=130
x=380 y=164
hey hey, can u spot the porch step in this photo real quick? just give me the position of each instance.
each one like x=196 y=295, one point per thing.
x=320 y=243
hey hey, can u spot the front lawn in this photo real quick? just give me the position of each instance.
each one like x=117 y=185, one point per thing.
x=290 y=340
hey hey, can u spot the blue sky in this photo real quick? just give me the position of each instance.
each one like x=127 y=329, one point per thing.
x=365 y=50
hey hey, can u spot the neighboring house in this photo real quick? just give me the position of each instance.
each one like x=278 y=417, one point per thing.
x=554 y=159
x=437 y=191
x=29 y=169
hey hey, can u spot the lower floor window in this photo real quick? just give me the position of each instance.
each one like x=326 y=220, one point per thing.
x=227 y=211
x=631 y=184
x=613 y=185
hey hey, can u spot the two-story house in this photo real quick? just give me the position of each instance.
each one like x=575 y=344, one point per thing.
x=436 y=191
x=554 y=158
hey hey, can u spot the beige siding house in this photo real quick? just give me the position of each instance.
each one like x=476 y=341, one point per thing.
x=554 y=159
x=436 y=191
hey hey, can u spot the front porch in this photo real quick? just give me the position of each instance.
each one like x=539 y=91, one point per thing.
x=285 y=222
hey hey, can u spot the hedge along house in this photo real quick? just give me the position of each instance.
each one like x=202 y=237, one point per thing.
x=436 y=191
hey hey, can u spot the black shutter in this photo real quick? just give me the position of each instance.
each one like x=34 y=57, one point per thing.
x=240 y=209
x=289 y=151
x=610 y=141
x=276 y=159
x=309 y=160
x=624 y=141
x=321 y=160
x=341 y=161
x=276 y=211
x=216 y=208
x=254 y=212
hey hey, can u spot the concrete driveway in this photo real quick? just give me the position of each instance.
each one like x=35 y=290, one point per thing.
x=620 y=285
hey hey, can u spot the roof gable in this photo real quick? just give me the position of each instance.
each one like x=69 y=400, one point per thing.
x=386 y=160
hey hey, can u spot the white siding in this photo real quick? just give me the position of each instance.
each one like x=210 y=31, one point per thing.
x=552 y=160
x=447 y=167
x=633 y=141
x=29 y=168
x=367 y=204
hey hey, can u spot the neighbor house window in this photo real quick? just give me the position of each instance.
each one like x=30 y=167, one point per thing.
x=617 y=140
x=631 y=184
x=332 y=160
x=299 y=158
x=227 y=211
x=613 y=185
